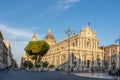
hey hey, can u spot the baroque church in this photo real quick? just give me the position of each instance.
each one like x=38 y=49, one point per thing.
x=79 y=52
x=84 y=51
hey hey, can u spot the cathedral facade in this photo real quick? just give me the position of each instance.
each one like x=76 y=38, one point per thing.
x=80 y=51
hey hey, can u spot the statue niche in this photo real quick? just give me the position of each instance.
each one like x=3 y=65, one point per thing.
x=88 y=43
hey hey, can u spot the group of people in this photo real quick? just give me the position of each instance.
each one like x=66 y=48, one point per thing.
x=5 y=68
x=114 y=72
x=8 y=68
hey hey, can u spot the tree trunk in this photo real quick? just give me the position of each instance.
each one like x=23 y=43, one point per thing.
x=37 y=58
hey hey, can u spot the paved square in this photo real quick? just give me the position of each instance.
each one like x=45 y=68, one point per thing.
x=32 y=75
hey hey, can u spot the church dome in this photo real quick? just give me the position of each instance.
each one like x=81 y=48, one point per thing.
x=49 y=35
x=50 y=38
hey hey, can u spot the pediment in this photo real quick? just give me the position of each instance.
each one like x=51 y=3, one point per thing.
x=87 y=32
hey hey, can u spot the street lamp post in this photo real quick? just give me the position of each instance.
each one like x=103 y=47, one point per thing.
x=118 y=40
x=92 y=60
x=79 y=53
x=68 y=32
x=103 y=59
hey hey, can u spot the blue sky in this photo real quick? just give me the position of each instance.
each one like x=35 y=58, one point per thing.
x=19 y=19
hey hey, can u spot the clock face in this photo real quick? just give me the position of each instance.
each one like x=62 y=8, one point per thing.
x=89 y=34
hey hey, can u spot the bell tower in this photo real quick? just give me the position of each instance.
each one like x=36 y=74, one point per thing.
x=34 y=37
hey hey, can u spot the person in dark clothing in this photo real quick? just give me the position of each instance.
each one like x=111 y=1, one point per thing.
x=72 y=69
x=92 y=70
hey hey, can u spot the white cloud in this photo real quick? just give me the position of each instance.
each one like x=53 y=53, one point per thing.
x=58 y=7
x=18 y=38
x=14 y=33
x=63 y=5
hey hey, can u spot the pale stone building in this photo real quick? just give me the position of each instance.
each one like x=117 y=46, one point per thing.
x=111 y=56
x=3 y=52
x=6 y=57
x=1 y=49
x=84 y=51
x=9 y=55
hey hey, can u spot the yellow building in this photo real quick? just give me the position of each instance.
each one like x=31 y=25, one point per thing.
x=84 y=51
x=111 y=56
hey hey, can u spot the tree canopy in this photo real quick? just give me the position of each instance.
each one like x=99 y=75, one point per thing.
x=37 y=48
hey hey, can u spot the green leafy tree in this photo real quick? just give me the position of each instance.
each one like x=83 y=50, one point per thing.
x=51 y=66
x=37 y=65
x=37 y=49
x=28 y=64
x=45 y=64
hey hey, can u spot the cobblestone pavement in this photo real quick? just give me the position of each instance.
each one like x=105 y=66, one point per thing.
x=32 y=75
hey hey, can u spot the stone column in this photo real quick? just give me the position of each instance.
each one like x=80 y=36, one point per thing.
x=91 y=62
x=81 y=43
x=60 y=59
x=70 y=60
x=95 y=60
x=96 y=45
x=101 y=60
x=117 y=55
x=85 y=46
x=109 y=58
x=55 y=61
x=80 y=59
